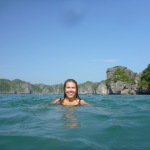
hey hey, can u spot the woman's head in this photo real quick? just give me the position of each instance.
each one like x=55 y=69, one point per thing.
x=71 y=89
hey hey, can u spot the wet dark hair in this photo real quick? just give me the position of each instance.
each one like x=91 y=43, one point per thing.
x=72 y=80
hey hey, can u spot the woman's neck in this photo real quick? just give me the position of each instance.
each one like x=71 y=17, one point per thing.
x=70 y=99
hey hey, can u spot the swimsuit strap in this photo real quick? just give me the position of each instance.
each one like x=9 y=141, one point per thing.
x=79 y=101
x=61 y=100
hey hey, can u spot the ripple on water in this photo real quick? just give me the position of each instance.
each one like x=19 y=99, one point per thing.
x=111 y=123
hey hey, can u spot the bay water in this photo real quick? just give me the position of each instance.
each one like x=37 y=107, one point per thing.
x=112 y=122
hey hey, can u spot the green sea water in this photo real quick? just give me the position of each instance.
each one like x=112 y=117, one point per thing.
x=112 y=122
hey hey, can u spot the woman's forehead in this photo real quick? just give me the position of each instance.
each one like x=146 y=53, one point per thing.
x=70 y=83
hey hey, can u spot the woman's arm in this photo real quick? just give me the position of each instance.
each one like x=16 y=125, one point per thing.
x=55 y=101
x=83 y=102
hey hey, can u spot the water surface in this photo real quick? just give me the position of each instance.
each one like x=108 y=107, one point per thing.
x=113 y=122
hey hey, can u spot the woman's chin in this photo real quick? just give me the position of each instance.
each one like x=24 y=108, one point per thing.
x=71 y=96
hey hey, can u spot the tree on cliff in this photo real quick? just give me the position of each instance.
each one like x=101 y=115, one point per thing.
x=145 y=77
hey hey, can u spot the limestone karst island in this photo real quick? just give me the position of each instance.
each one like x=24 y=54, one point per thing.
x=119 y=80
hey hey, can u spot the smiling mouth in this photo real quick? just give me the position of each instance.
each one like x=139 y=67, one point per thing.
x=70 y=93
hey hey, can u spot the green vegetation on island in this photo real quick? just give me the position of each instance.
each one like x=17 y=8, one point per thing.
x=6 y=85
x=120 y=75
x=145 y=78
x=120 y=80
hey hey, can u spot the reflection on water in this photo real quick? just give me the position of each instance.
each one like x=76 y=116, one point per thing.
x=70 y=117
x=117 y=123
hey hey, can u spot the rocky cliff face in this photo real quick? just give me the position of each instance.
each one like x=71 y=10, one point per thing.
x=21 y=87
x=88 y=88
x=120 y=80
x=102 y=88
x=6 y=86
x=15 y=87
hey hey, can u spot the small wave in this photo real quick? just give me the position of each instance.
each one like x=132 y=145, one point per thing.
x=111 y=122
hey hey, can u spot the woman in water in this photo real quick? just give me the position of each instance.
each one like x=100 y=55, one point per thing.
x=71 y=97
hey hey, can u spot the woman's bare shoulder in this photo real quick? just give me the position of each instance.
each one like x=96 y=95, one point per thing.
x=83 y=102
x=55 y=101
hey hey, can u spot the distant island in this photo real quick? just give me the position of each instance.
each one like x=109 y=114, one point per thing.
x=120 y=80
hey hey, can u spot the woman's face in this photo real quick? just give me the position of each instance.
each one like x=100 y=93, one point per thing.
x=70 y=89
